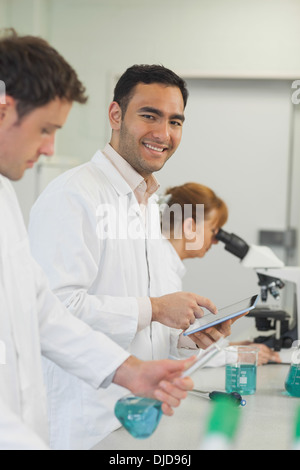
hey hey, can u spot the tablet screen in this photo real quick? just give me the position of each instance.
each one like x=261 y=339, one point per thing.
x=225 y=313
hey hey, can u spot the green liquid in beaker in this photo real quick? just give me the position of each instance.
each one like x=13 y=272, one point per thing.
x=241 y=379
x=140 y=416
x=292 y=383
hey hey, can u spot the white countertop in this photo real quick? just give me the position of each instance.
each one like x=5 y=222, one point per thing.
x=267 y=419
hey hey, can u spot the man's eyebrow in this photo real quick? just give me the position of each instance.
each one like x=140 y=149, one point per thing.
x=51 y=125
x=150 y=109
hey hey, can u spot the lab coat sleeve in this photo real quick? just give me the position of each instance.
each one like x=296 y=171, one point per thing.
x=181 y=347
x=70 y=343
x=15 y=435
x=63 y=240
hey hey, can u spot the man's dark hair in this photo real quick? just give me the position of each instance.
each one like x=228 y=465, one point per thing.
x=147 y=74
x=34 y=73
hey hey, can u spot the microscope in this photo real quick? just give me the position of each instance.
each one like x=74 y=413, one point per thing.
x=272 y=278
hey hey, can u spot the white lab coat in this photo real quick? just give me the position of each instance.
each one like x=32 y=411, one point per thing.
x=175 y=270
x=100 y=281
x=32 y=320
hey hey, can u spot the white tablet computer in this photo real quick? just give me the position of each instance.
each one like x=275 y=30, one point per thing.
x=225 y=313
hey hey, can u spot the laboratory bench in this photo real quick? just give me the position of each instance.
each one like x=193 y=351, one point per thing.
x=267 y=420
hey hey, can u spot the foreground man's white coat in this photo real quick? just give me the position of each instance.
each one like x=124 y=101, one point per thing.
x=32 y=321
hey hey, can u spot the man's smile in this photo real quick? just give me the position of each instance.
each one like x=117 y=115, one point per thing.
x=155 y=147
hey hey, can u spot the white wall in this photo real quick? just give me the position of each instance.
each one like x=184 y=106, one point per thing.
x=103 y=37
x=237 y=141
x=204 y=38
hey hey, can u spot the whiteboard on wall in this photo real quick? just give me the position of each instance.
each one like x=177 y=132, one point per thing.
x=235 y=140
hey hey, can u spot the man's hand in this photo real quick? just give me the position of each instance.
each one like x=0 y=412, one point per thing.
x=203 y=339
x=156 y=379
x=179 y=310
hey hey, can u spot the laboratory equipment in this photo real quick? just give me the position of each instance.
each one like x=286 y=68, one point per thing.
x=205 y=356
x=241 y=366
x=140 y=416
x=222 y=425
x=216 y=395
x=273 y=276
x=292 y=383
x=224 y=314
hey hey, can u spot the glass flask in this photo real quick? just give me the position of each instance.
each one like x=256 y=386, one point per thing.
x=140 y=416
x=292 y=383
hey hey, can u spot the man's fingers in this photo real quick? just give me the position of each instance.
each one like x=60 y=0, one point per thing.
x=225 y=328
x=198 y=312
x=207 y=303
x=175 y=369
x=207 y=337
x=167 y=399
x=177 y=392
x=202 y=340
x=187 y=363
x=167 y=410
x=172 y=394
x=233 y=320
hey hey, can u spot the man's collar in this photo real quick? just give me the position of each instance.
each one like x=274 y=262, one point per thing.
x=131 y=176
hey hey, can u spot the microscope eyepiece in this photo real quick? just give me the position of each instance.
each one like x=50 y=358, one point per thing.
x=233 y=243
x=223 y=236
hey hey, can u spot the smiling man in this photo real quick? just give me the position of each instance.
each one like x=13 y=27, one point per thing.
x=115 y=283
x=147 y=136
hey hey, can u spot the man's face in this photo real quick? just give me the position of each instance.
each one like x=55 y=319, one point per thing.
x=23 y=142
x=151 y=130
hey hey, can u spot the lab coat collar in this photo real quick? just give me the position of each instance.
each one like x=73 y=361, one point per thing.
x=120 y=185
x=115 y=178
x=112 y=174
x=130 y=175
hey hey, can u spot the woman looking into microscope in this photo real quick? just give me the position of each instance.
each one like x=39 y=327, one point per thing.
x=181 y=232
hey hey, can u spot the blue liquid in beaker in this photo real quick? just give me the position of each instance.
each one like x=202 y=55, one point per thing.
x=140 y=416
x=241 y=379
x=292 y=383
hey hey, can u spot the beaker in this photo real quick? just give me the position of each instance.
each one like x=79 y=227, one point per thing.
x=241 y=365
x=292 y=383
x=140 y=416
